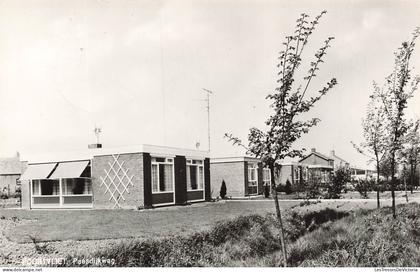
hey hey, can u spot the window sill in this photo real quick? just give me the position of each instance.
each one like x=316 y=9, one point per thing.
x=78 y=195
x=166 y=192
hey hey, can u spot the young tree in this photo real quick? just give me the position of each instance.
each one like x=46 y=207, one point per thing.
x=223 y=190
x=397 y=90
x=288 y=103
x=374 y=133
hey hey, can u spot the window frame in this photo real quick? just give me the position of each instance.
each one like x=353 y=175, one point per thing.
x=253 y=167
x=61 y=196
x=265 y=181
x=168 y=161
x=199 y=164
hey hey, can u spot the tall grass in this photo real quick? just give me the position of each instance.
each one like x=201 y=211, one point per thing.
x=228 y=243
x=364 y=239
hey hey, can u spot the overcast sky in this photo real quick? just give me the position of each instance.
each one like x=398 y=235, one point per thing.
x=136 y=68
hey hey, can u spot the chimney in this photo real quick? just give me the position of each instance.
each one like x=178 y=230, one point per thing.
x=94 y=146
x=313 y=150
x=332 y=153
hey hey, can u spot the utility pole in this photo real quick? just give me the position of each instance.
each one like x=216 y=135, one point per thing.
x=208 y=112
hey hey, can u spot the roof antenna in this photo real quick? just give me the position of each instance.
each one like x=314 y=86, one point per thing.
x=97 y=130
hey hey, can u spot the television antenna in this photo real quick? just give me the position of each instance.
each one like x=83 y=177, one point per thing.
x=97 y=131
x=208 y=112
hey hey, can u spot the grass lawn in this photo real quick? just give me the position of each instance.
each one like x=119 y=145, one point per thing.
x=318 y=237
x=60 y=225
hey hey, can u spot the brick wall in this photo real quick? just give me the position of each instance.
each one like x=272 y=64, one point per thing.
x=233 y=175
x=133 y=164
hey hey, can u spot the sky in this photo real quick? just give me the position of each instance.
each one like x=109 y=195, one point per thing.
x=137 y=68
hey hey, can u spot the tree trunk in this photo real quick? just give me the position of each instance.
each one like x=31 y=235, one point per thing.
x=412 y=174
x=394 y=215
x=405 y=188
x=278 y=213
x=378 y=204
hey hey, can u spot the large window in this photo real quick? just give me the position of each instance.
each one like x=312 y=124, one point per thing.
x=195 y=175
x=252 y=178
x=45 y=187
x=267 y=176
x=162 y=175
x=297 y=174
x=304 y=173
x=77 y=186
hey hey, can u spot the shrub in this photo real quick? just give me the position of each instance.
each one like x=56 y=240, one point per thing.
x=223 y=189
x=266 y=190
x=280 y=187
x=363 y=187
x=334 y=188
x=313 y=188
x=288 y=188
x=4 y=196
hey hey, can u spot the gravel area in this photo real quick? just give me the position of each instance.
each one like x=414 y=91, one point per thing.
x=31 y=254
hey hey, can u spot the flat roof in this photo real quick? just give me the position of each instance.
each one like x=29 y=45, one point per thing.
x=88 y=154
x=234 y=159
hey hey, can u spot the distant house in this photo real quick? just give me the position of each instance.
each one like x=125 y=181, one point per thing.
x=10 y=171
x=243 y=176
x=359 y=173
x=338 y=162
x=319 y=166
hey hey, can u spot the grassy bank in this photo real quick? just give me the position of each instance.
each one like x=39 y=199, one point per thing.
x=363 y=239
x=315 y=238
x=228 y=243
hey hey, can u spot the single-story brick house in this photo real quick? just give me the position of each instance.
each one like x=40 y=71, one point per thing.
x=243 y=176
x=131 y=177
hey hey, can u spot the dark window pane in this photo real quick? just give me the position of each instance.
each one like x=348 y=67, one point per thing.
x=162 y=177
x=193 y=177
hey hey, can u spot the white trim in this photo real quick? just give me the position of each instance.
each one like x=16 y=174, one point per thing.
x=164 y=204
x=88 y=154
x=160 y=155
x=253 y=167
x=197 y=200
x=60 y=196
x=269 y=176
x=310 y=166
x=166 y=192
x=54 y=207
x=158 y=181
x=201 y=165
x=195 y=190
x=77 y=195
x=234 y=159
